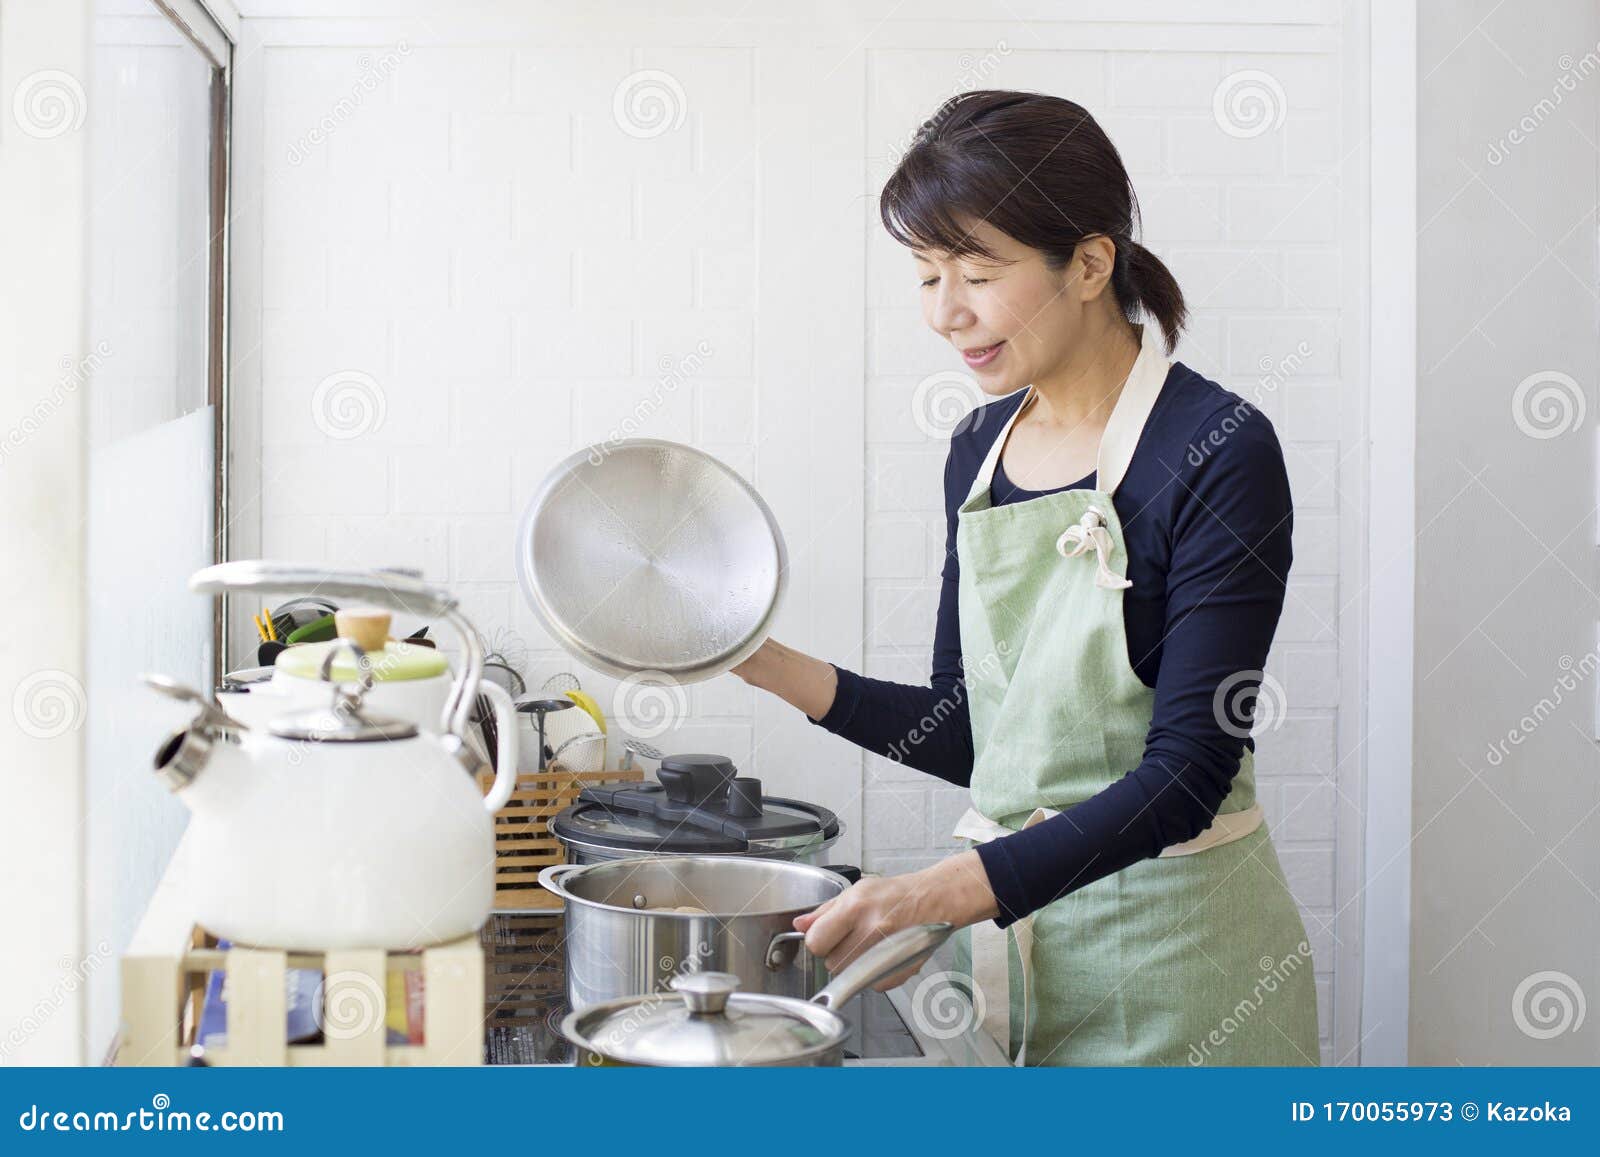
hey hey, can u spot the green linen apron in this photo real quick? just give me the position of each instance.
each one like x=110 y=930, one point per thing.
x=1198 y=956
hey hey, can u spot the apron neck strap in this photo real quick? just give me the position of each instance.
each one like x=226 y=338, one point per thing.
x=1123 y=428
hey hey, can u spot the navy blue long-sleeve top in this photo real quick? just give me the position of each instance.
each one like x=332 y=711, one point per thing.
x=1206 y=518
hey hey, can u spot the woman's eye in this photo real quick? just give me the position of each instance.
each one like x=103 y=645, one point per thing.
x=929 y=282
x=977 y=281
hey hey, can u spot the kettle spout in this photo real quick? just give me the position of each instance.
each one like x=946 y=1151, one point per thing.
x=184 y=756
x=186 y=753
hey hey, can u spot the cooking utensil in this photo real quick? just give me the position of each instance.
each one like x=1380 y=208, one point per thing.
x=709 y=1022
x=337 y=827
x=618 y=944
x=651 y=556
x=318 y=630
x=699 y=806
x=632 y=747
x=540 y=706
x=585 y=751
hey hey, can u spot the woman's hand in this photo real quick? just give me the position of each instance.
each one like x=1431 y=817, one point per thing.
x=954 y=891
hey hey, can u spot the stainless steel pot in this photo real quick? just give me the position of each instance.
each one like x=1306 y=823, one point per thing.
x=707 y=1022
x=623 y=936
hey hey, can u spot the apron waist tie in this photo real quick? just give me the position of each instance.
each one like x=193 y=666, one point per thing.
x=990 y=965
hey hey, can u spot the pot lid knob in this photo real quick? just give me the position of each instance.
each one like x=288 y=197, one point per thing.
x=706 y=993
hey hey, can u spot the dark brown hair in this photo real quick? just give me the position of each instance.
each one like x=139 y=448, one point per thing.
x=1039 y=169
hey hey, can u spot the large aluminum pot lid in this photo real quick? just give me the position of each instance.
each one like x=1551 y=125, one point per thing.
x=651 y=556
x=706 y=1023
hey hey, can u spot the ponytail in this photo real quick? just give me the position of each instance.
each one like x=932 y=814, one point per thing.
x=1145 y=286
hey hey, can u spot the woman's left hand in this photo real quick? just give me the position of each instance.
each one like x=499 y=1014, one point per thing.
x=954 y=891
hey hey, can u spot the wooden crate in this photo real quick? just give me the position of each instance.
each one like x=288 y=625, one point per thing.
x=167 y=965
x=523 y=842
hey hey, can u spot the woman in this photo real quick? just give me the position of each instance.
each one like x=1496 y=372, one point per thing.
x=1118 y=546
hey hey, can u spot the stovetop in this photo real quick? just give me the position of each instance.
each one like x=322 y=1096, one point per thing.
x=524 y=987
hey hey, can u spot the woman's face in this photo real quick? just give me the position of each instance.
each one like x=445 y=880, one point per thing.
x=1014 y=320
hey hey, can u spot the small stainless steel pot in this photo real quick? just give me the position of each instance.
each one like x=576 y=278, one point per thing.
x=623 y=938
x=707 y=1022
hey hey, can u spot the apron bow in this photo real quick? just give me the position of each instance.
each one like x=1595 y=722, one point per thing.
x=1090 y=532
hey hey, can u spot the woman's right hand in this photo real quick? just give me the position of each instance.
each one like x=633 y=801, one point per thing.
x=793 y=676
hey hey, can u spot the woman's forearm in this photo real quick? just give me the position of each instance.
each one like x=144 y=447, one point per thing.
x=795 y=677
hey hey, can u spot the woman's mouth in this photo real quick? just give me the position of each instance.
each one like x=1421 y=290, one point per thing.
x=981 y=356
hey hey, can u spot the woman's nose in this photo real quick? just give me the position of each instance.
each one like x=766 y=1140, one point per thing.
x=949 y=313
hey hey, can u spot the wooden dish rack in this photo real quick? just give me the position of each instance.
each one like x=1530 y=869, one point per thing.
x=523 y=842
x=167 y=965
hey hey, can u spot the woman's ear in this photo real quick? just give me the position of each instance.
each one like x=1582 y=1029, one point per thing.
x=1096 y=256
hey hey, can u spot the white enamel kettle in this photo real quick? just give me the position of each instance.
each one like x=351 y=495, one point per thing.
x=337 y=828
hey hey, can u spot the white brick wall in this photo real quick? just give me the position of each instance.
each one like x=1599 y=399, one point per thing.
x=514 y=272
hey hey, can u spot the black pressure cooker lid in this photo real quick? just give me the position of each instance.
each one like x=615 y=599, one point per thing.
x=700 y=805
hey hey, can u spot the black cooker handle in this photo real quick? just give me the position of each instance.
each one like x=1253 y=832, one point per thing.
x=849 y=871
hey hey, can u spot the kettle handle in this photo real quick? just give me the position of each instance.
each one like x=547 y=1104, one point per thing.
x=505 y=762
x=396 y=590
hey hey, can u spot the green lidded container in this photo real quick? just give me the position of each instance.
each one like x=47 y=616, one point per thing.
x=397 y=662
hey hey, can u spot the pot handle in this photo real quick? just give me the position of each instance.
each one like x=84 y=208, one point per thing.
x=908 y=946
x=505 y=763
x=783 y=948
x=550 y=877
